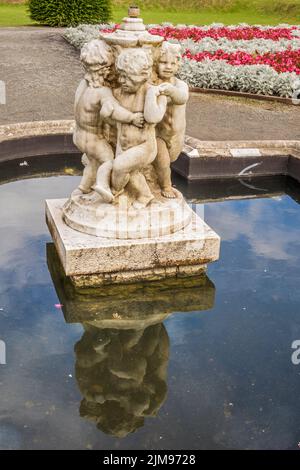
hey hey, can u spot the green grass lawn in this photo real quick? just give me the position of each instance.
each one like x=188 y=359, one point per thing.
x=204 y=17
x=17 y=15
x=14 y=15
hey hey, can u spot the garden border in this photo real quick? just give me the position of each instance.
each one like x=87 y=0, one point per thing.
x=239 y=94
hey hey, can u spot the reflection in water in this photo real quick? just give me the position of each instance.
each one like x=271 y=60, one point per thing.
x=37 y=167
x=231 y=381
x=122 y=375
x=122 y=357
x=212 y=190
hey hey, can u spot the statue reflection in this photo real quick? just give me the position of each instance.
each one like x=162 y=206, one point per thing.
x=122 y=375
x=122 y=357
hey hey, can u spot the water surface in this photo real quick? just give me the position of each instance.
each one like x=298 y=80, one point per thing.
x=217 y=374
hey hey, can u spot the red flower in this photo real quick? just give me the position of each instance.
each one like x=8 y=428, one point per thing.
x=245 y=32
x=286 y=61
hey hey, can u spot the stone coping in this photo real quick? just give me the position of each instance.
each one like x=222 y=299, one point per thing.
x=63 y=127
x=199 y=159
x=223 y=147
x=36 y=128
x=238 y=159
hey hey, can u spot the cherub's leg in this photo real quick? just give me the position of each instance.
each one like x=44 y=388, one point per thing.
x=140 y=188
x=126 y=162
x=163 y=169
x=89 y=174
x=102 y=186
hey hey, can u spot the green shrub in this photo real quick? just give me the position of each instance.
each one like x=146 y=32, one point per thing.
x=69 y=12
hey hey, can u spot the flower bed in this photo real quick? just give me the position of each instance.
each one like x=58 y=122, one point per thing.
x=245 y=33
x=287 y=61
x=250 y=59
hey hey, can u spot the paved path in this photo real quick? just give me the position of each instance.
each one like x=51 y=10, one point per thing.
x=226 y=118
x=42 y=70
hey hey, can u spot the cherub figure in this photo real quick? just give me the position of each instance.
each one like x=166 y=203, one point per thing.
x=122 y=375
x=136 y=148
x=170 y=131
x=94 y=106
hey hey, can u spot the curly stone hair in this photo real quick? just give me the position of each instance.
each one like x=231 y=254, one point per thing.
x=171 y=48
x=135 y=62
x=96 y=52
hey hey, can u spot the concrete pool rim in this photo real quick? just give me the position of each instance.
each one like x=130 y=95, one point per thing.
x=199 y=159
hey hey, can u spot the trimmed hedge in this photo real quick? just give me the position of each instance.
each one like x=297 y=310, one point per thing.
x=69 y=12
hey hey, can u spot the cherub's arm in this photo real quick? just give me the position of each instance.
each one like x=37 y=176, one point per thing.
x=111 y=109
x=179 y=93
x=82 y=85
x=155 y=105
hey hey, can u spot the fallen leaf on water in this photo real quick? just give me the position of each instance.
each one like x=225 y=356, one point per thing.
x=29 y=404
x=70 y=171
x=116 y=315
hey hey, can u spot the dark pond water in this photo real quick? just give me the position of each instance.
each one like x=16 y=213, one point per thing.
x=217 y=373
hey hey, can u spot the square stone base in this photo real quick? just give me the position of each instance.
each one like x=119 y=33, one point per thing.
x=92 y=261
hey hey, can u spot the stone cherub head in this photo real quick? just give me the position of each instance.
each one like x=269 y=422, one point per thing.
x=134 y=68
x=97 y=58
x=168 y=61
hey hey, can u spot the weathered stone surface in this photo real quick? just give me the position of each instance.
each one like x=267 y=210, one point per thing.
x=128 y=277
x=110 y=260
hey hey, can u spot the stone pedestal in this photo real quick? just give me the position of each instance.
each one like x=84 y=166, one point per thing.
x=136 y=307
x=125 y=222
x=162 y=216
x=92 y=260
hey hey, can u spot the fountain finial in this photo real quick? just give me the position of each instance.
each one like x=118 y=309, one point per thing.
x=132 y=32
x=133 y=11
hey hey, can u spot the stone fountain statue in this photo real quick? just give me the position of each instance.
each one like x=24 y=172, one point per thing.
x=99 y=110
x=130 y=125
